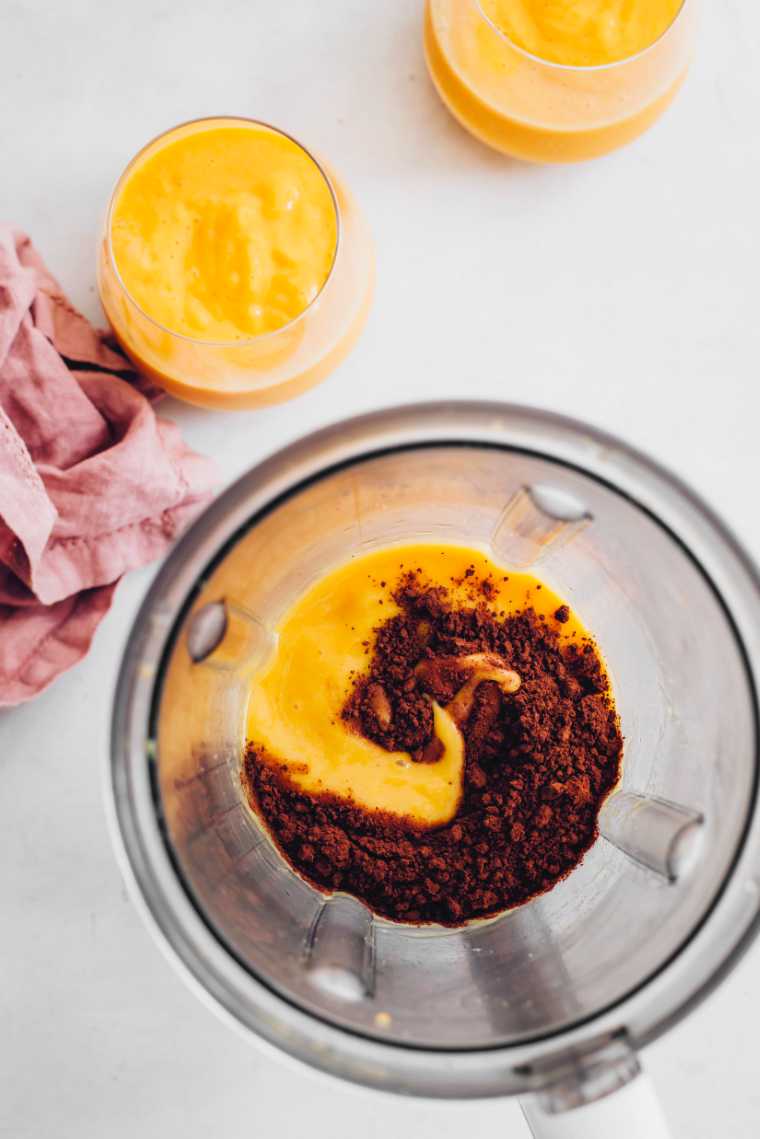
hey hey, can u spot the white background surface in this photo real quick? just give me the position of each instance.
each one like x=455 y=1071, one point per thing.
x=625 y=292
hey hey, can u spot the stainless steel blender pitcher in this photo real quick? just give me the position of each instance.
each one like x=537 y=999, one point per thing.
x=553 y=1000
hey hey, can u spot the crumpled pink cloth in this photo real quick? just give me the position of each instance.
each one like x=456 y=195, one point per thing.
x=92 y=483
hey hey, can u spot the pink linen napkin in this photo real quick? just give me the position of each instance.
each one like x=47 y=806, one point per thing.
x=92 y=483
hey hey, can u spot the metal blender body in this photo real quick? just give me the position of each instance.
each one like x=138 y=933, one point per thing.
x=559 y=995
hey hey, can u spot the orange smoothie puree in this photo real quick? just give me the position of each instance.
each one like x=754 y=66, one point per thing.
x=582 y=33
x=325 y=637
x=226 y=233
x=557 y=80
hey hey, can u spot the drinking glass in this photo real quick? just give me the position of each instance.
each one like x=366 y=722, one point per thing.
x=541 y=111
x=264 y=369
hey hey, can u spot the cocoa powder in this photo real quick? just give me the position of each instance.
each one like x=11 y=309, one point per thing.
x=538 y=765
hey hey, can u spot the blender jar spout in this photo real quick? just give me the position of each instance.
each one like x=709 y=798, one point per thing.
x=665 y=837
x=339 y=949
x=225 y=635
x=536 y=518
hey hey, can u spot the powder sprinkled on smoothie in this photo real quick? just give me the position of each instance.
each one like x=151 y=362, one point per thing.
x=539 y=762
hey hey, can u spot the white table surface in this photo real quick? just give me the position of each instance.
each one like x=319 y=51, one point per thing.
x=625 y=292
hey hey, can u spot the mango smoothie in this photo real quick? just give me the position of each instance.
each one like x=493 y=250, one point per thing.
x=297 y=700
x=556 y=80
x=233 y=270
x=225 y=234
x=582 y=33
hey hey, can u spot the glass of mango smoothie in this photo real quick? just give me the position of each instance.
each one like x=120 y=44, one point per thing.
x=558 y=80
x=234 y=270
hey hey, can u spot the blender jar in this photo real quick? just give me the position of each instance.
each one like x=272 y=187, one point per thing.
x=557 y=996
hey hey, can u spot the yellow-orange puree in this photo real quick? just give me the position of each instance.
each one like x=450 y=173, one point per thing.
x=582 y=33
x=224 y=233
x=323 y=643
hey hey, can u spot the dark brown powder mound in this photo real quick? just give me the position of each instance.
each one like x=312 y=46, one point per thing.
x=538 y=766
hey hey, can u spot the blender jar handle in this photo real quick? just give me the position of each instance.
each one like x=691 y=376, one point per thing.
x=632 y=1112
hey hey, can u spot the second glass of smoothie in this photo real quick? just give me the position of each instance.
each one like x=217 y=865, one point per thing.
x=562 y=81
x=234 y=270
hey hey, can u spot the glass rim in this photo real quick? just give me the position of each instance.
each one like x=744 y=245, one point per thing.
x=582 y=68
x=248 y=341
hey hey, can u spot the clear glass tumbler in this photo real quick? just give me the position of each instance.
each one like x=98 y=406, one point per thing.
x=264 y=369
x=542 y=111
